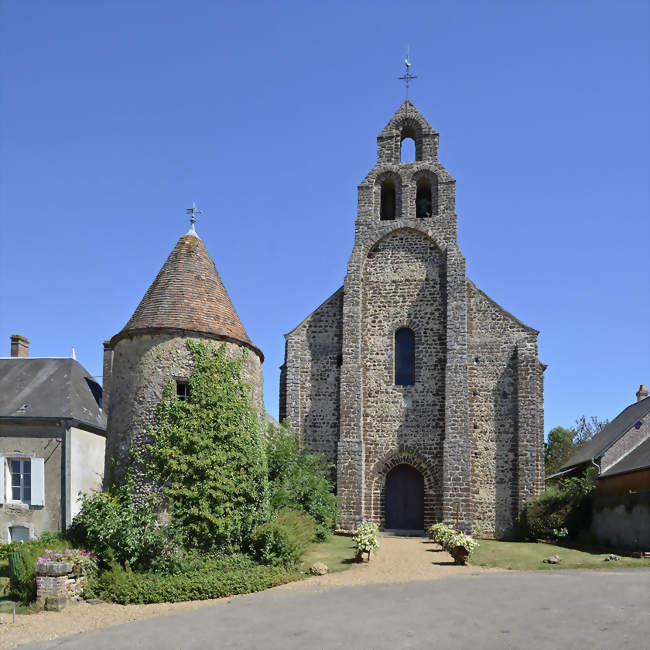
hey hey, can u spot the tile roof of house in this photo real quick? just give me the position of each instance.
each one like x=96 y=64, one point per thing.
x=32 y=387
x=610 y=433
x=188 y=294
x=638 y=458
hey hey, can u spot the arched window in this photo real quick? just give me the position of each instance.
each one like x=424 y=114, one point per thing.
x=407 y=150
x=404 y=357
x=388 y=200
x=423 y=207
x=426 y=197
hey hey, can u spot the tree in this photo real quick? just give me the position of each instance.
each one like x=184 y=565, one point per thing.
x=558 y=449
x=585 y=429
x=563 y=443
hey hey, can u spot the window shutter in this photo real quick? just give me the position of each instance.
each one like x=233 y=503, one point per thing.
x=3 y=494
x=38 y=482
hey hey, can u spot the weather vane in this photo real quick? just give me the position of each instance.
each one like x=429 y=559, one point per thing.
x=193 y=211
x=407 y=77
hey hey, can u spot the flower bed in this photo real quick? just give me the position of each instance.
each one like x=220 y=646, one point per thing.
x=84 y=563
x=458 y=545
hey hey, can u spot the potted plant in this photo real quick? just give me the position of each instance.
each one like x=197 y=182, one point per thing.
x=460 y=546
x=366 y=539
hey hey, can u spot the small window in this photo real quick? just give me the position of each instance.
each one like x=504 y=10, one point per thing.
x=183 y=390
x=388 y=200
x=404 y=357
x=19 y=533
x=21 y=480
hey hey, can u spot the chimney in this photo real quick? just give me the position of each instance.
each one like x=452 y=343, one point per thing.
x=642 y=393
x=106 y=375
x=19 y=346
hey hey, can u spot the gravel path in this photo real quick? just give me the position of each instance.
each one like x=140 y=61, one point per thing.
x=399 y=560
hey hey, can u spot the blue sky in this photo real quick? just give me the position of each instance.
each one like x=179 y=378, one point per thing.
x=115 y=116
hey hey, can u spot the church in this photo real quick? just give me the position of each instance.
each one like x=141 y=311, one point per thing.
x=424 y=393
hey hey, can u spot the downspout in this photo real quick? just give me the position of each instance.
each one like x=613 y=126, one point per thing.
x=593 y=462
x=67 y=456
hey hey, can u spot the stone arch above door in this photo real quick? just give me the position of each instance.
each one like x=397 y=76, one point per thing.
x=376 y=503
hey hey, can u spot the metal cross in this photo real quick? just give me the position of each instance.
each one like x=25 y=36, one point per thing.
x=193 y=211
x=407 y=77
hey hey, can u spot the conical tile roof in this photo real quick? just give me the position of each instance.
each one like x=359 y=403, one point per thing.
x=188 y=294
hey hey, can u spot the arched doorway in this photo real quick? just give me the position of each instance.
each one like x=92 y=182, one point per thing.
x=404 y=498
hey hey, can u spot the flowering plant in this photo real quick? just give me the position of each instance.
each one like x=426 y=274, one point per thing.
x=460 y=540
x=445 y=536
x=366 y=538
x=436 y=530
x=84 y=563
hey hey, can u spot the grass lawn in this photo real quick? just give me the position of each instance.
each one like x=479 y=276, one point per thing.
x=337 y=553
x=529 y=555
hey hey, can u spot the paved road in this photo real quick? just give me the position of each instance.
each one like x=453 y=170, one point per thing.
x=544 y=609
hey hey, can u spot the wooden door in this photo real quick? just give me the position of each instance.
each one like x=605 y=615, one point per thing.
x=404 y=498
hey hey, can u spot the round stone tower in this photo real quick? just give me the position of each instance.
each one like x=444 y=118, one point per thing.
x=187 y=300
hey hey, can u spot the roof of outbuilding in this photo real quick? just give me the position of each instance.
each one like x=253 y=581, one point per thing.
x=49 y=388
x=610 y=433
x=188 y=294
x=638 y=458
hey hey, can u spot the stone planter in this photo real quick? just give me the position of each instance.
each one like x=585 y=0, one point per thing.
x=460 y=554
x=56 y=584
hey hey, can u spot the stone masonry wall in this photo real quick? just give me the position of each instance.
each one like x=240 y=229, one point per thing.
x=493 y=335
x=473 y=422
x=312 y=379
x=358 y=469
x=403 y=286
x=142 y=367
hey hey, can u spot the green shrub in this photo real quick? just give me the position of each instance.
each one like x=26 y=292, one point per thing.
x=544 y=513
x=124 y=587
x=579 y=487
x=208 y=454
x=300 y=480
x=281 y=542
x=557 y=509
x=53 y=539
x=113 y=526
x=271 y=545
x=22 y=576
x=13 y=547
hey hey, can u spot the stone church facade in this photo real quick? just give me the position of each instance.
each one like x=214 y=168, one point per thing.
x=423 y=391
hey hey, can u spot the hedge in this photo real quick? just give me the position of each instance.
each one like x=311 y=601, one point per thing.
x=124 y=587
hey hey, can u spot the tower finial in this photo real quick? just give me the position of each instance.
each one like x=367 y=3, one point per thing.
x=193 y=211
x=407 y=77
